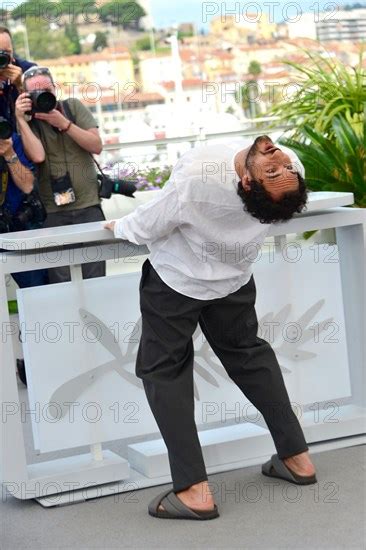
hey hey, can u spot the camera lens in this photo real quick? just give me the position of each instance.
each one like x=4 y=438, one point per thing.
x=46 y=102
x=4 y=59
x=6 y=129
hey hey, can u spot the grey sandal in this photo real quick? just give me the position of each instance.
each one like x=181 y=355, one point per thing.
x=275 y=467
x=174 y=508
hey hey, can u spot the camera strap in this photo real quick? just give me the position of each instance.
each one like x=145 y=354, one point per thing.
x=4 y=181
x=4 y=186
x=44 y=141
x=69 y=114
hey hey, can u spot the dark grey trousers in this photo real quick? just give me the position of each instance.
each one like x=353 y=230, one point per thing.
x=72 y=217
x=165 y=365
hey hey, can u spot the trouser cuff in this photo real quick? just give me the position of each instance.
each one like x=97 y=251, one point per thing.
x=183 y=486
x=293 y=453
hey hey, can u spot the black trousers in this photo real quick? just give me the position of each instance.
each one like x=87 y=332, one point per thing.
x=165 y=365
x=71 y=217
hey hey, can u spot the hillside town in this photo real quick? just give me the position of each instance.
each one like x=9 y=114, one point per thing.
x=220 y=79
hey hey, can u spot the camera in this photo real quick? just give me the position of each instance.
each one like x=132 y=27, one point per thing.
x=31 y=210
x=5 y=59
x=62 y=189
x=5 y=221
x=109 y=186
x=43 y=101
x=6 y=129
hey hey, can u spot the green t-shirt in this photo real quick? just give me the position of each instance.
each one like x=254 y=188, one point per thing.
x=79 y=163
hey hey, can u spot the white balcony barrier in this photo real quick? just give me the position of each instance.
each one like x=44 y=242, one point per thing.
x=321 y=291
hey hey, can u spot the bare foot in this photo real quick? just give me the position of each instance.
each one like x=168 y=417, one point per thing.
x=197 y=497
x=300 y=464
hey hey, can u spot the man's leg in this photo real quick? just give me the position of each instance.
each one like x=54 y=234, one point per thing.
x=230 y=326
x=58 y=219
x=165 y=365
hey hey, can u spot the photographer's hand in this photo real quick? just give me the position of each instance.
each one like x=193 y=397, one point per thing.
x=6 y=148
x=55 y=118
x=32 y=145
x=87 y=139
x=22 y=176
x=14 y=74
x=23 y=105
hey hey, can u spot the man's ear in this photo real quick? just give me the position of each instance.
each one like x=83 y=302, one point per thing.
x=245 y=181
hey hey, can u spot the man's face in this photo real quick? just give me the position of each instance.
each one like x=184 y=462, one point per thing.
x=7 y=46
x=271 y=167
x=39 y=82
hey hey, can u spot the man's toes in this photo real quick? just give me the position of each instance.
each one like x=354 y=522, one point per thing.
x=161 y=507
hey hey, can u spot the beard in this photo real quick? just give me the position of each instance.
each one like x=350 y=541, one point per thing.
x=254 y=150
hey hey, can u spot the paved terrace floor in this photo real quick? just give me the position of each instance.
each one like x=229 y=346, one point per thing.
x=256 y=512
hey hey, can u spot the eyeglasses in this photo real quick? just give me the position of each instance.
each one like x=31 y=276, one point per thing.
x=34 y=71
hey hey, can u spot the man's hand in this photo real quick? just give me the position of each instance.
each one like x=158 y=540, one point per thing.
x=55 y=118
x=6 y=148
x=110 y=225
x=23 y=105
x=14 y=74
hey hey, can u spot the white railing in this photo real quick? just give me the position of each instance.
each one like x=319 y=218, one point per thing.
x=168 y=150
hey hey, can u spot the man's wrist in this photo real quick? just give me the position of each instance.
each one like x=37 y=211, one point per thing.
x=67 y=127
x=116 y=229
x=21 y=118
x=11 y=159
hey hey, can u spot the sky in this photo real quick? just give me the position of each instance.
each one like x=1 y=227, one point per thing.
x=167 y=12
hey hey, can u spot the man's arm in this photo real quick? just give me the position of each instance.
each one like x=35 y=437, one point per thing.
x=87 y=139
x=32 y=144
x=14 y=74
x=150 y=221
x=22 y=175
x=83 y=131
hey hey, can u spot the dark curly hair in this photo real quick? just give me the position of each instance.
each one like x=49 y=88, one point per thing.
x=259 y=203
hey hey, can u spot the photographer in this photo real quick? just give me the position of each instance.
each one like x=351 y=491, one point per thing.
x=61 y=138
x=19 y=210
x=11 y=70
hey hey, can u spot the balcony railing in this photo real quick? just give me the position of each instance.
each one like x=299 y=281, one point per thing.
x=158 y=151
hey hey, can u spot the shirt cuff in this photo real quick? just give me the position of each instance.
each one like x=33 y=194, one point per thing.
x=118 y=230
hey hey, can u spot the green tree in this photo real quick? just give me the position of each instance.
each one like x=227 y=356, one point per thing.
x=73 y=8
x=249 y=98
x=35 y=9
x=19 y=44
x=71 y=33
x=254 y=68
x=100 y=41
x=52 y=11
x=186 y=34
x=143 y=44
x=122 y=13
x=43 y=43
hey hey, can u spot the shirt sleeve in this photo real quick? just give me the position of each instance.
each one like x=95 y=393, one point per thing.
x=153 y=220
x=83 y=117
x=19 y=150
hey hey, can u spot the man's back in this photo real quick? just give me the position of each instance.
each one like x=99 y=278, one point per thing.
x=201 y=240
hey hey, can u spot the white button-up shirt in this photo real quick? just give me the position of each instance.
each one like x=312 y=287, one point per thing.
x=201 y=241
